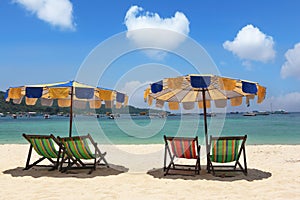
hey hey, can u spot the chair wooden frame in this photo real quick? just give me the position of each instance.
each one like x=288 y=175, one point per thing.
x=43 y=146
x=71 y=153
x=170 y=151
x=225 y=167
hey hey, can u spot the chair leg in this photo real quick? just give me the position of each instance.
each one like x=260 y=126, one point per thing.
x=170 y=164
x=63 y=159
x=35 y=163
x=198 y=164
x=244 y=169
x=94 y=167
x=58 y=157
x=210 y=167
x=165 y=158
x=104 y=160
x=101 y=155
x=245 y=161
x=28 y=158
x=167 y=169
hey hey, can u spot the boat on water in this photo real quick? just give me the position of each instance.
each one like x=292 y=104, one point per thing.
x=14 y=116
x=46 y=116
x=261 y=112
x=209 y=114
x=281 y=111
x=113 y=116
x=158 y=115
x=249 y=114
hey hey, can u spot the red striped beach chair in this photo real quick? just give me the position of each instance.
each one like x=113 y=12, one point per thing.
x=182 y=147
x=47 y=147
x=77 y=150
x=225 y=150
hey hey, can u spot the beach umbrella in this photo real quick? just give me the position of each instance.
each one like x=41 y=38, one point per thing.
x=70 y=94
x=202 y=89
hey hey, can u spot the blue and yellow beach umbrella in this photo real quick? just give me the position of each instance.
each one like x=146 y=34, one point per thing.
x=201 y=90
x=68 y=94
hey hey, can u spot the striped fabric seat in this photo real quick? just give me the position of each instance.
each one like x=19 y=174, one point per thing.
x=182 y=148
x=44 y=147
x=78 y=147
x=77 y=150
x=225 y=154
x=225 y=150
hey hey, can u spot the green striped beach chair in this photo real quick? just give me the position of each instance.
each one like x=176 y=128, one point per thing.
x=77 y=151
x=46 y=146
x=182 y=147
x=226 y=150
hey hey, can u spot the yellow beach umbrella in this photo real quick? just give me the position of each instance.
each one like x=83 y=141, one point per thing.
x=68 y=94
x=201 y=90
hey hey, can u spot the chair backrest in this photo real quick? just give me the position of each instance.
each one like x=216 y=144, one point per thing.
x=183 y=147
x=226 y=149
x=77 y=146
x=43 y=145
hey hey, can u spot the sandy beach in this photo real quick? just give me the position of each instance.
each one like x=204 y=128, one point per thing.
x=136 y=173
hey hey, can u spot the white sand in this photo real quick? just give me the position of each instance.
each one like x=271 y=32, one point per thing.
x=274 y=173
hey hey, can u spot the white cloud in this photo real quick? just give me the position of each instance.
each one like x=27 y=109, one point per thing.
x=55 y=12
x=289 y=102
x=130 y=87
x=135 y=91
x=149 y=29
x=251 y=44
x=292 y=65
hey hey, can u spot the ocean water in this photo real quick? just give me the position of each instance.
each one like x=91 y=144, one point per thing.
x=269 y=129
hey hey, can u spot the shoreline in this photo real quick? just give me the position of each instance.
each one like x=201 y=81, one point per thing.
x=136 y=173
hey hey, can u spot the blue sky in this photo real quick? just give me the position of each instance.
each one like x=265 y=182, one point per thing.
x=48 y=42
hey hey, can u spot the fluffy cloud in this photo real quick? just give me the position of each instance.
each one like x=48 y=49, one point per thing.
x=158 y=30
x=131 y=87
x=135 y=91
x=55 y=12
x=292 y=65
x=251 y=44
x=288 y=102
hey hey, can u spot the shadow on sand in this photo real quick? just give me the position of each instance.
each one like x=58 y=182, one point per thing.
x=37 y=172
x=253 y=175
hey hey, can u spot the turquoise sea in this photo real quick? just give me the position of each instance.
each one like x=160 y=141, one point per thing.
x=269 y=129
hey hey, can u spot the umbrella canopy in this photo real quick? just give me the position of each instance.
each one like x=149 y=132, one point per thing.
x=201 y=90
x=68 y=94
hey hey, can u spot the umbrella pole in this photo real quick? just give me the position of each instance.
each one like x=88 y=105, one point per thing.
x=205 y=126
x=71 y=112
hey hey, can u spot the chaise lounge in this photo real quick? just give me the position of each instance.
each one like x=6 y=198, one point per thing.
x=182 y=147
x=225 y=150
x=47 y=147
x=77 y=151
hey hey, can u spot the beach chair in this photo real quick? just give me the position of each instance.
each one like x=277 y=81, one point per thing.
x=46 y=146
x=181 y=147
x=77 y=151
x=226 y=150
